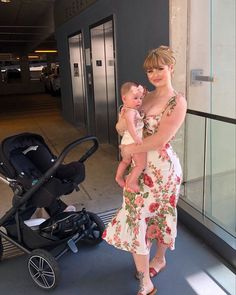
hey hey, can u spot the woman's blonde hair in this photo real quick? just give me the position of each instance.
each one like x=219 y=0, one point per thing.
x=161 y=55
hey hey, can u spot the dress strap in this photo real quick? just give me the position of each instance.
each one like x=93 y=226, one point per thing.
x=125 y=107
x=171 y=103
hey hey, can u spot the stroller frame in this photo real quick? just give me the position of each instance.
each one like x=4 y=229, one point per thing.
x=42 y=264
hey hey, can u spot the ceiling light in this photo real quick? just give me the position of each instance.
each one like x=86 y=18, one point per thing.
x=33 y=56
x=45 y=51
x=6 y=1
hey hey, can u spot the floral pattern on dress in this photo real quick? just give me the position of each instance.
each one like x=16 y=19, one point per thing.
x=151 y=213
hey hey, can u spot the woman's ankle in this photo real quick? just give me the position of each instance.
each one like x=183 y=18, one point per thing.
x=144 y=281
x=158 y=260
x=146 y=289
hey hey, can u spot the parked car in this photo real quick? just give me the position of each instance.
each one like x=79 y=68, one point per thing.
x=55 y=82
x=12 y=76
x=51 y=79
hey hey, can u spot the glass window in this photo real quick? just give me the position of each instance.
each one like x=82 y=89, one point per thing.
x=220 y=193
x=212 y=57
x=210 y=130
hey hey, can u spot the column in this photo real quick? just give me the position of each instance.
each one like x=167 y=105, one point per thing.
x=25 y=71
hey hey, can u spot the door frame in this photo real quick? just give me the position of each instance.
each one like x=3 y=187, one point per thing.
x=98 y=23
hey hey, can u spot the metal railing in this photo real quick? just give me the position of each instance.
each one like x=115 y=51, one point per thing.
x=205 y=181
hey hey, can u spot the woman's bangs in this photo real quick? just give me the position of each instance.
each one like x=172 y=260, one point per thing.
x=152 y=61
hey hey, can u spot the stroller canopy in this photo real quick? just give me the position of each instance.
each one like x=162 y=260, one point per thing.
x=19 y=154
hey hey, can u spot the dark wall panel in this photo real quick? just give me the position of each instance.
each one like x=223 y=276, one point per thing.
x=139 y=26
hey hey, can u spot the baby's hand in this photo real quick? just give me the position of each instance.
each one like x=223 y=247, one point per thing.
x=138 y=140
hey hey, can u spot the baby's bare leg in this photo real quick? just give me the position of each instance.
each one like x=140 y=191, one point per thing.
x=123 y=165
x=140 y=161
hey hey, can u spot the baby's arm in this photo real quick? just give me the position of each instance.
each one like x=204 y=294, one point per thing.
x=130 y=117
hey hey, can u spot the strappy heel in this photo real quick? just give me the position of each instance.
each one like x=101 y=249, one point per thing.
x=155 y=271
x=154 y=291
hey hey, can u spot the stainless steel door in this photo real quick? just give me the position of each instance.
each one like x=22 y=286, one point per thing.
x=103 y=66
x=77 y=78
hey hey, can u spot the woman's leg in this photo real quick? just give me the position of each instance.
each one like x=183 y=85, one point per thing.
x=159 y=261
x=142 y=266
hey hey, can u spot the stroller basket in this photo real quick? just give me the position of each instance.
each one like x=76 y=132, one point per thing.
x=63 y=225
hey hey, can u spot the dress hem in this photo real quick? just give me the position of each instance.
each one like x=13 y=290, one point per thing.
x=133 y=252
x=123 y=249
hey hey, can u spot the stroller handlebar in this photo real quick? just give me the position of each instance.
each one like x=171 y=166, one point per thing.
x=72 y=145
x=66 y=150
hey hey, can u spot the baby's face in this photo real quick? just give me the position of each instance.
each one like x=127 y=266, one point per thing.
x=133 y=99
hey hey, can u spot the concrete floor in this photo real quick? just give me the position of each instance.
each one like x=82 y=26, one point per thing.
x=193 y=269
x=41 y=114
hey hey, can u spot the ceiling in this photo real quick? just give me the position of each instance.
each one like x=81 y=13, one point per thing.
x=26 y=25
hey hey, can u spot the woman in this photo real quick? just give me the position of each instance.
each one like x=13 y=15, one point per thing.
x=150 y=215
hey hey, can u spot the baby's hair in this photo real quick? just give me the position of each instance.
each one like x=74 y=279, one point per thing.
x=125 y=87
x=162 y=54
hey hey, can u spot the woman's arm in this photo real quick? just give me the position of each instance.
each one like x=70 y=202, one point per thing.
x=169 y=125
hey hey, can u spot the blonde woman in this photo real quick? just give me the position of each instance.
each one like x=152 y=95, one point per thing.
x=149 y=216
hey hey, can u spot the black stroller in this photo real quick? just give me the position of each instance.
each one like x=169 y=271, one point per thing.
x=38 y=179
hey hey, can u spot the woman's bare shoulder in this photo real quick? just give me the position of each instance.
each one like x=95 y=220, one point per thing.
x=180 y=100
x=180 y=96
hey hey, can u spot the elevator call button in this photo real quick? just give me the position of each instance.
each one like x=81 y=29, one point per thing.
x=98 y=63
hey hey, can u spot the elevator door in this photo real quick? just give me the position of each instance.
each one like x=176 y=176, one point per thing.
x=77 y=79
x=103 y=67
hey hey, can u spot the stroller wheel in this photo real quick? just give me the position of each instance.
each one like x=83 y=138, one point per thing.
x=95 y=229
x=1 y=248
x=43 y=269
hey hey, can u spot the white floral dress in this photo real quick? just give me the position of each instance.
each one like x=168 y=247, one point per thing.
x=150 y=214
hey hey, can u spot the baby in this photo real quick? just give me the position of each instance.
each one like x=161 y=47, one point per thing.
x=132 y=121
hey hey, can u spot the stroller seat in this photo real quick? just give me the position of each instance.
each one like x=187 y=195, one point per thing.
x=26 y=157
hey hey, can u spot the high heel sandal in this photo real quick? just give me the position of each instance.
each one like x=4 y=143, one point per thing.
x=154 y=272
x=154 y=290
